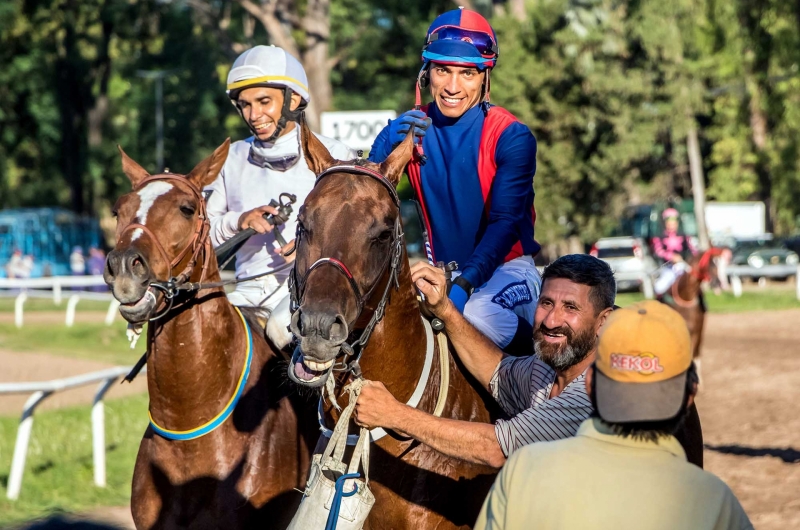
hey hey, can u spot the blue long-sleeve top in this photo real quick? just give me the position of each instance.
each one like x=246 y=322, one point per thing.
x=451 y=191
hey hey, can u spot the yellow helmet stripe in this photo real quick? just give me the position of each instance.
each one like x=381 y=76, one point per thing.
x=266 y=79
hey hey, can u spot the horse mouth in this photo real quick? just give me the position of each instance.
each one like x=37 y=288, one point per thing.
x=307 y=372
x=140 y=309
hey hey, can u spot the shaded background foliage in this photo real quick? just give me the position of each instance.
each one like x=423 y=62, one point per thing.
x=609 y=87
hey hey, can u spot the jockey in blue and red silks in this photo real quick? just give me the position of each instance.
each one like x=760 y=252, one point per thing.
x=671 y=248
x=473 y=176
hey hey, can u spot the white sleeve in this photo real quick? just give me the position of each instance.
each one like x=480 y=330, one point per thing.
x=224 y=224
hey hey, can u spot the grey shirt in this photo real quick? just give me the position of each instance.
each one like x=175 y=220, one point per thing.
x=521 y=385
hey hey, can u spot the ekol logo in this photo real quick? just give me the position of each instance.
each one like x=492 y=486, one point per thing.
x=644 y=363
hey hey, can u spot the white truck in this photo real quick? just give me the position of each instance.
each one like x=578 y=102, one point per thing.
x=735 y=220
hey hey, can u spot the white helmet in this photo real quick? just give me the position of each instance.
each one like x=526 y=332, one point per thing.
x=267 y=66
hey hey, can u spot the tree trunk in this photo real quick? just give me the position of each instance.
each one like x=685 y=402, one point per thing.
x=315 y=59
x=73 y=115
x=698 y=183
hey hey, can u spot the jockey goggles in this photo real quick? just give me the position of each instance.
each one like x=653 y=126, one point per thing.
x=461 y=37
x=259 y=156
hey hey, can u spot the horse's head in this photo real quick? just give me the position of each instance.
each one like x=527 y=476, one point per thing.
x=704 y=267
x=349 y=245
x=161 y=229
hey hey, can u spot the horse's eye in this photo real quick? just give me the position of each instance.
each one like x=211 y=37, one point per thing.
x=187 y=210
x=114 y=214
x=384 y=236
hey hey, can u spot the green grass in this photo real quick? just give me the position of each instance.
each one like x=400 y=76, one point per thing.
x=84 y=340
x=727 y=303
x=46 y=304
x=58 y=472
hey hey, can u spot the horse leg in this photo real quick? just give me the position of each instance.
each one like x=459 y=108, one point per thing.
x=697 y=340
x=146 y=503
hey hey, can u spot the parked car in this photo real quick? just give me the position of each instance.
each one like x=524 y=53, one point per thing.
x=629 y=258
x=762 y=257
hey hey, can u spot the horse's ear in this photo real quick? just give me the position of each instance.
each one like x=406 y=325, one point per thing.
x=132 y=170
x=316 y=154
x=207 y=171
x=392 y=168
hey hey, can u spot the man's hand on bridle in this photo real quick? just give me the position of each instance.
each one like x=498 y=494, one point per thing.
x=255 y=219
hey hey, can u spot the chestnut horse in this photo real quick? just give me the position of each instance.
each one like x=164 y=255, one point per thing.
x=227 y=444
x=350 y=242
x=686 y=296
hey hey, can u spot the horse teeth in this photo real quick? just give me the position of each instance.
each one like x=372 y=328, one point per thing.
x=317 y=367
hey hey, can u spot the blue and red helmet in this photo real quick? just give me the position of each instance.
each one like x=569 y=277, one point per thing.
x=463 y=38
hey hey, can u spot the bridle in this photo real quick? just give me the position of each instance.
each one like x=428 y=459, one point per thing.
x=197 y=244
x=392 y=264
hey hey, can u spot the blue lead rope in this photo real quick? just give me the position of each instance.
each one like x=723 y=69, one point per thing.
x=220 y=418
x=333 y=516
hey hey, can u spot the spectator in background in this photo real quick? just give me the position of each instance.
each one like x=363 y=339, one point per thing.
x=13 y=265
x=77 y=263
x=624 y=469
x=97 y=262
x=26 y=267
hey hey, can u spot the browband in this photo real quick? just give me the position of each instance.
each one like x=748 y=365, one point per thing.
x=361 y=170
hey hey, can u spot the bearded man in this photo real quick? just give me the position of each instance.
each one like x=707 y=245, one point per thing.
x=543 y=394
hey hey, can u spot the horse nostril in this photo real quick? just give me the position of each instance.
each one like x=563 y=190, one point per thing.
x=338 y=331
x=137 y=264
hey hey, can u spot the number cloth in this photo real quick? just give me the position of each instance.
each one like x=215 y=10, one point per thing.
x=598 y=480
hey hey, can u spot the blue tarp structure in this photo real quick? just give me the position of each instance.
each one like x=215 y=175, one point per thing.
x=47 y=234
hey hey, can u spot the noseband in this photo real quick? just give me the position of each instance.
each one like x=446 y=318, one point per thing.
x=392 y=264
x=198 y=242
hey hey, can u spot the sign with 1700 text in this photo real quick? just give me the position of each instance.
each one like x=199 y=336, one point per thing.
x=357 y=129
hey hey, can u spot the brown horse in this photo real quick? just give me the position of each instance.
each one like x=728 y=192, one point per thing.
x=349 y=243
x=686 y=295
x=207 y=367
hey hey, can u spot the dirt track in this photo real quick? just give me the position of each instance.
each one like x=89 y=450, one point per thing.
x=749 y=405
x=42 y=367
x=750 y=410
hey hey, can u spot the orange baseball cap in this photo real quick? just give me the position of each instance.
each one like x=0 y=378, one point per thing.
x=642 y=359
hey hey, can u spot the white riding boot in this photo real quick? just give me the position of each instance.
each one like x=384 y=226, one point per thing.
x=278 y=324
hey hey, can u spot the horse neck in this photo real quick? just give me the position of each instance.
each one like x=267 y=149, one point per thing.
x=395 y=354
x=195 y=356
x=689 y=284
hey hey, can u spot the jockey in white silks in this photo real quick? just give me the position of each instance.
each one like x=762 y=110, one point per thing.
x=270 y=90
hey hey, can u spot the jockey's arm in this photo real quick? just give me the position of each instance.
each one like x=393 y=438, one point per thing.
x=660 y=250
x=473 y=442
x=224 y=223
x=511 y=189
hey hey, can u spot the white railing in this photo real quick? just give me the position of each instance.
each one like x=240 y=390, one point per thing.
x=736 y=274
x=42 y=390
x=52 y=287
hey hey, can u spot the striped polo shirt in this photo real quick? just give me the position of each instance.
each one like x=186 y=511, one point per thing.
x=521 y=385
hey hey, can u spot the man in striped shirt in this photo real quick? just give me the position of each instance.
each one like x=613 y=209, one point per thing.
x=543 y=394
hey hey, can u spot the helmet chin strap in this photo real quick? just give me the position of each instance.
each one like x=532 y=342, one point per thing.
x=287 y=115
